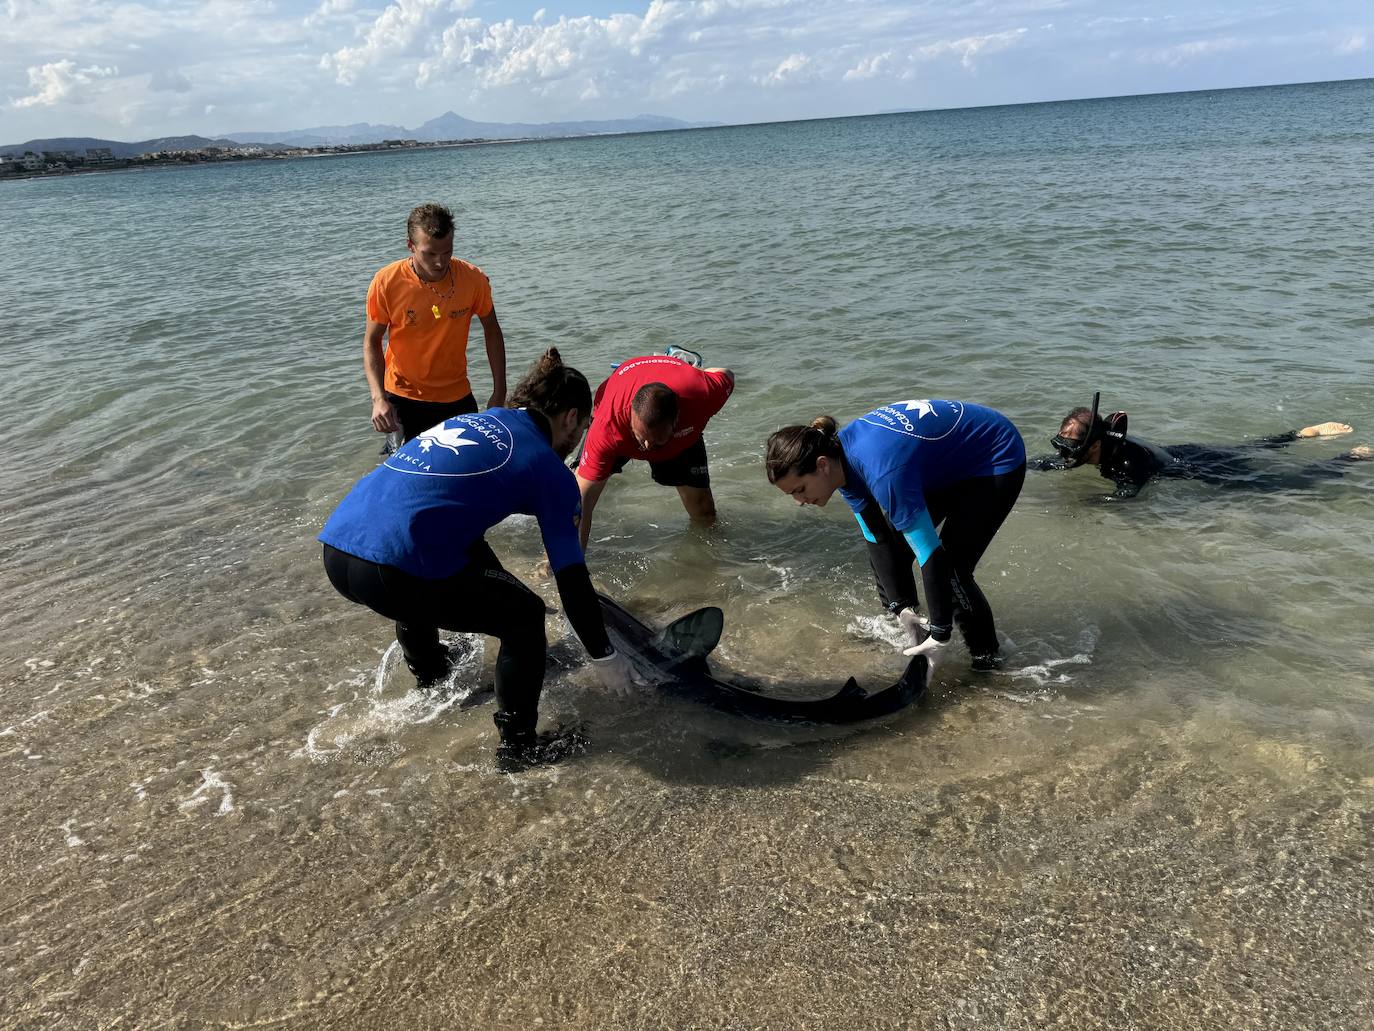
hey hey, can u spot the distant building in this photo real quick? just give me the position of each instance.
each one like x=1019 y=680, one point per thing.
x=99 y=156
x=400 y=143
x=31 y=162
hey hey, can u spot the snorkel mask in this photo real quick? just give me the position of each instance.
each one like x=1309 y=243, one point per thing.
x=1075 y=451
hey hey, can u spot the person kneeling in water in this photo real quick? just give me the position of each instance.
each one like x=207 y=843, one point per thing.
x=407 y=542
x=1086 y=438
x=905 y=469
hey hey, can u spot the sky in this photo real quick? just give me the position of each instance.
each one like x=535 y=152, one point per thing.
x=140 y=69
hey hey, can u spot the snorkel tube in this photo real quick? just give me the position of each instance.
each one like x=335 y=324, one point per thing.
x=1075 y=452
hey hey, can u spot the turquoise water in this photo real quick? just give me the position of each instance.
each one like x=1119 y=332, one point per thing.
x=1185 y=714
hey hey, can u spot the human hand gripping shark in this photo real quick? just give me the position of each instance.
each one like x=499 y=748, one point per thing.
x=675 y=659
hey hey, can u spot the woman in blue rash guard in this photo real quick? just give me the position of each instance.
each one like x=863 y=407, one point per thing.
x=407 y=542
x=906 y=469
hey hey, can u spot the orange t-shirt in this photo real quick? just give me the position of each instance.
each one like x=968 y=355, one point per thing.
x=427 y=332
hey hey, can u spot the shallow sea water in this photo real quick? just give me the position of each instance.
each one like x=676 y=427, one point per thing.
x=223 y=807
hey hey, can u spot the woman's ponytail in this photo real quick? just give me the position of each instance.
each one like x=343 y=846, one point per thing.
x=795 y=449
x=552 y=387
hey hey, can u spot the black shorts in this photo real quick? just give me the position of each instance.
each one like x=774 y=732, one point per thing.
x=418 y=416
x=688 y=469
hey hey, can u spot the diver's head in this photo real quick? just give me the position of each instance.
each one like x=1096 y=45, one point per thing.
x=1076 y=429
x=805 y=461
x=1084 y=435
x=560 y=393
x=653 y=416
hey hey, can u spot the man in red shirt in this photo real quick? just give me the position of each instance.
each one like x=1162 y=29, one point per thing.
x=653 y=408
x=422 y=305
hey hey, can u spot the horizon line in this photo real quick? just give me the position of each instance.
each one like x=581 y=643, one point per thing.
x=784 y=121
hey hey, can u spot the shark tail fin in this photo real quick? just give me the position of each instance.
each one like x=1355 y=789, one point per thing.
x=695 y=635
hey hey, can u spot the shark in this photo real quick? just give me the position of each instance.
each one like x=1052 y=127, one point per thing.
x=676 y=659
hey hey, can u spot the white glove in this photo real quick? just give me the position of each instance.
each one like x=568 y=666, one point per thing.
x=917 y=627
x=615 y=673
x=930 y=648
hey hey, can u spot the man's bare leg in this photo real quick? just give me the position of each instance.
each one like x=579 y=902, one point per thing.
x=1325 y=429
x=699 y=502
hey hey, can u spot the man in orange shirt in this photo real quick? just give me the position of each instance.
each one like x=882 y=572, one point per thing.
x=422 y=305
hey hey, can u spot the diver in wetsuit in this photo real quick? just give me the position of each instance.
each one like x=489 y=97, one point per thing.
x=905 y=469
x=1086 y=438
x=407 y=542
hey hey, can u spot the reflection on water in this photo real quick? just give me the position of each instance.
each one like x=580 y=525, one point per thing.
x=227 y=806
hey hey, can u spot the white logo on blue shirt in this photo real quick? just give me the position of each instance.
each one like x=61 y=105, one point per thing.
x=921 y=408
x=465 y=445
x=944 y=417
x=445 y=436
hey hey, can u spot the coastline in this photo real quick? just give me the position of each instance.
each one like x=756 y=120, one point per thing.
x=232 y=158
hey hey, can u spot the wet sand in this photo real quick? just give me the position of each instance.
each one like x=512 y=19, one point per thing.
x=173 y=858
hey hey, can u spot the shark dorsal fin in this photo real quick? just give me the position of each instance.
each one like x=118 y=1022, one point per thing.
x=695 y=635
x=851 y=691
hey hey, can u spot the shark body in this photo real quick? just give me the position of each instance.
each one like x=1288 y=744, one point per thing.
x=676 y=656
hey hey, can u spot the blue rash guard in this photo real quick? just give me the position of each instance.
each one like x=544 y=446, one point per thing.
x=426 y=505
x=904 y=449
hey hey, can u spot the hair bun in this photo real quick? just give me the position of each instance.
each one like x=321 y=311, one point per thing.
x=825 y=425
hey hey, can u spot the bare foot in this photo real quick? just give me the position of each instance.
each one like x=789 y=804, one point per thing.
x=1325 y=429
x=1364 y=452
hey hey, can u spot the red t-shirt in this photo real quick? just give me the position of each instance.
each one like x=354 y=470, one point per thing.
x=700 y=395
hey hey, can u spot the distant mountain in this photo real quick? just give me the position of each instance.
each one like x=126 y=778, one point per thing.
x=328 y=135
x=81 y=144
x=448 y=126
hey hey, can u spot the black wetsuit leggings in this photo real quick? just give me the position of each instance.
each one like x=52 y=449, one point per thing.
x=480 y=598
x=972 y=511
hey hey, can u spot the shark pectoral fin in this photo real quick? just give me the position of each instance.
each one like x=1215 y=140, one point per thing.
x=917 y=673
x=695 y=635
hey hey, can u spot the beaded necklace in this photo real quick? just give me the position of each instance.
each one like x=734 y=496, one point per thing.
x=452 y=285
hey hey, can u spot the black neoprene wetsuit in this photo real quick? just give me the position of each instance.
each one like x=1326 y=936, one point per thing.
x=1130 y=463
x=969 y=513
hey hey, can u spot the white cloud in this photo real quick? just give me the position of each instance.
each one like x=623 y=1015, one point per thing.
x=872 y=66
x=903 y=66
x=169 y=80
x=1182 y=53
x=328 y=11
x=1352 y=44
x=58 y=82
x=679 y=46
x=969 y=47
x=407 y=28
x=793 y=68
